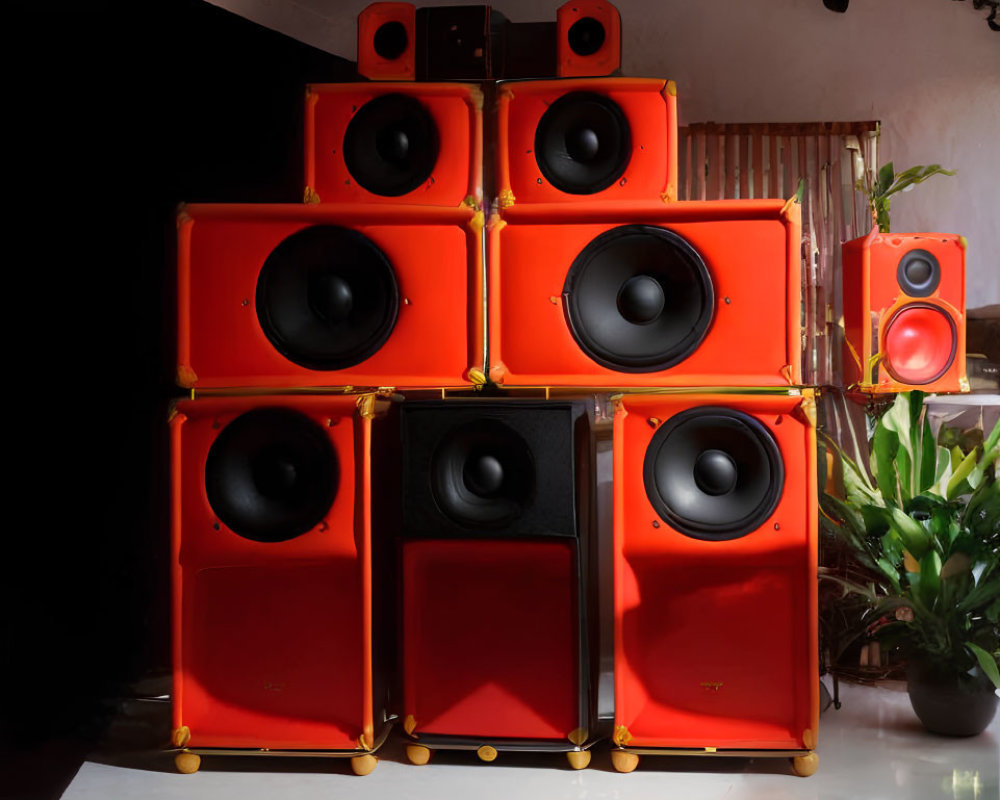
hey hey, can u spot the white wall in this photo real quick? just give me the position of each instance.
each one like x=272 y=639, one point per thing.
x=928 y=69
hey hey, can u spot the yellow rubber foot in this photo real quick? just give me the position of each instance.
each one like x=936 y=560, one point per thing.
x=624 y=761
x=806 y=765
x=362 y=765
x=187 y=763
x=418 y=754
x=487 y=753
x=578 y=759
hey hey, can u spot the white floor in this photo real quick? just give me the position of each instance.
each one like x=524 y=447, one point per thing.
x=870 y=749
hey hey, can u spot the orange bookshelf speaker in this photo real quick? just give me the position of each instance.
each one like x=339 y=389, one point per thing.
x=904 y=312
x=402 y=143
x=589 y=38
x=586 y=141
x=387 y=42
x=300 y=296
x=494 y=635
x=715 y=554
x=646 y=294
x=272 y=565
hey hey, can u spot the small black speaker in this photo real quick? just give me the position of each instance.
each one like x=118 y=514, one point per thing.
x=271 y=474
x=583 y=143
x=713 y=473
x=391 y=145
x=639 y=299
x=327 y=297
x=918 y=273
x=492 y=467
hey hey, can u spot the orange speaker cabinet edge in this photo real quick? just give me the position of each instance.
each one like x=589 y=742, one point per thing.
x=920 y=323
x=749 y=249
x=233 y=688
x=343 y=160
x=434 y=254
x=641 y=112
x=681 y=687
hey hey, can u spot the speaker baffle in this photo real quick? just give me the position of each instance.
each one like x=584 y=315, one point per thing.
x=918 y=273
x=482 y=474
x=391 y=144
x=713 y=473
x=583 y=142
x=327 y=298
x=920 y=344
x=271 y=475
x=639 y=299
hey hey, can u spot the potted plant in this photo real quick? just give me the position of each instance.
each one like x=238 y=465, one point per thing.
x=926 y=526
x=880 y=187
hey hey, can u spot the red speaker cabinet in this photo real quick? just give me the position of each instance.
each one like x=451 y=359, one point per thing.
x=715 y=560
x=289 y=296
x=494 y=640
x=403 y=143
x=387 y=42
x=586 y=141
x=272 y=564
x=651 y=294
x=904 y=312
x=590 y=38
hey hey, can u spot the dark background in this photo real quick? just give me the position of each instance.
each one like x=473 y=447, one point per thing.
x=119 y=112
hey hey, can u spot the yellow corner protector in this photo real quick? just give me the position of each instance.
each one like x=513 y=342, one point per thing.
x=670 y=195
x=578 y=736
x=181 y=736
x=506 y=199
x=186 y=377
x=476 y=98
x=621 y=736
x=310 y=198
x=409 y=724
x=366 y=405
x=477 y=376
x=671 y=88
x=791 y=210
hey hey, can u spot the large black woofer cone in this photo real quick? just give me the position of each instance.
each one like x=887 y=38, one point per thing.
x=327 y=298
x=482 y=474
x=918 y=273
x=391 y=145
x=271 y=475
x=713 y=473
x=583 y=143
x=639 y=299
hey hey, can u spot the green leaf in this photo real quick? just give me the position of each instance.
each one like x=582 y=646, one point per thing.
x=915 y=175
x=930 y=578
x=884 y=180
x=987 y=661
x=958 y=477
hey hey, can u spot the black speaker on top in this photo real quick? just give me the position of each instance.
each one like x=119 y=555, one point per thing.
x=327 y=297
x=271 y=474
x=713 y=473
x=639 y=298
x=492 y=467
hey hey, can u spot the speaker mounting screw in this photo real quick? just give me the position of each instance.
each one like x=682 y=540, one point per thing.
x=538 y=181
x=216 y=526
x=245 y=302
x=656 y=523
x=623 y=181
x=777 y=526
x=654 y=422
x=728 y=301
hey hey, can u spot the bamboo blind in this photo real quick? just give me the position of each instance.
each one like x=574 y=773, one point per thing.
x=758 y=160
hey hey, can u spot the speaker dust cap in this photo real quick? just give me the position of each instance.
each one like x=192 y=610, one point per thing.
x=327 y=298
x=583 y=143
x=271 y=475
x=713 y=473
x=639 y=298
x=391 y=145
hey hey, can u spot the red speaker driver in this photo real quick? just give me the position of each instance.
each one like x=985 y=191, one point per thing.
x=904 y=312
x=715 y=551
x=328 y=296
x=271 y=563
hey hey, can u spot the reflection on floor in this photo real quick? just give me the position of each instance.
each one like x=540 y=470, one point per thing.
x=872 y=748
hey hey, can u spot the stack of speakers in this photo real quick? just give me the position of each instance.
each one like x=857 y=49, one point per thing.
x=384 y=503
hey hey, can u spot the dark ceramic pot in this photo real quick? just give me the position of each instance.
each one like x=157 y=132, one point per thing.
x=948 y=702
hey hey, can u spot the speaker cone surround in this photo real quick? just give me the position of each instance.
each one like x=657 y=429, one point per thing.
x=639 y=299
x=327 y=298
x=391 y=145
x=482 y=474
x=918 y=273
x=713 y=473
x=586 y=36
x=583 y=142
x=271 y=475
